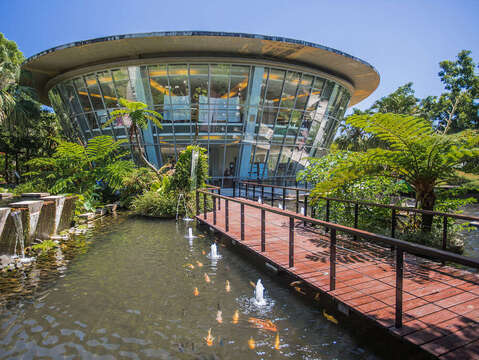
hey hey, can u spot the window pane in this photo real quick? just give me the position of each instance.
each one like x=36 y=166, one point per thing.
x=199 y=84
x=121 y=80
x=158 y=83
x=289 y=91
x=275 y=85
x=82 y=94
x=178 y=80
x=219 y=93
x=239 y=84
x=94 y=91
x=106 y=85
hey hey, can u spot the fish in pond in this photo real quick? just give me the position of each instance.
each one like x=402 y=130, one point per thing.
x=236 y=317
x=209 y=339
x=251 y=343
x=276 y=341
x=196 y=292
x=228 y=287
x=191 y=266
x=316 y=297
x=295 y=283
x=207 y=278
x=252 y=284
x=219 y=317
x=263 y=324
x=298 y=289
x=200 y=264
x=330 y=317
x=203 y=252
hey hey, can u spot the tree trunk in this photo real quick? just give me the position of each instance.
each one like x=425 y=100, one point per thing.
x=426 y=199
x=140 y=151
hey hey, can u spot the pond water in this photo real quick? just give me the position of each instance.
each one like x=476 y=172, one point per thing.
x=131 y=294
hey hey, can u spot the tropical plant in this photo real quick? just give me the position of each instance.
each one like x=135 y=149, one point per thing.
x=417 y=154
x=77 y=169
x=181 y=179
x=155 y=204
x=136 y=183
x=135 y=116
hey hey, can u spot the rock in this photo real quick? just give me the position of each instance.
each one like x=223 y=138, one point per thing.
x=5 y=260
x=5 y=195
x=35 y=195
x=111 y=207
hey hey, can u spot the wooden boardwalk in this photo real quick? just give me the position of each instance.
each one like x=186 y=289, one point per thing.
x=440 y=303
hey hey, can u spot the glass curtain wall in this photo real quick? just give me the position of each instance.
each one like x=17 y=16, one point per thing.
x=263 y=119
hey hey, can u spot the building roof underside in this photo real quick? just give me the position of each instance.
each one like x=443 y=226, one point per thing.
x=47 y=65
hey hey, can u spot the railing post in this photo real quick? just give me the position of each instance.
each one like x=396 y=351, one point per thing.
x=197 y=202
x=444 y=233
x=204 y=206
x=291 y=242
x=327 y=213
x=305 y=207
x=393 y=223
x=313 y=211
x=219 y=199
x=254 y=191
x=242 y=221
x=356 y=218
x=246 y=196
x=234 y=188
x=214 y=208
x=297 y=201
x=399 y=286
x=284 y=198
x=262 y=193
x=227 y=216
x=332 y=260
x=272 y=196
x=263 y=230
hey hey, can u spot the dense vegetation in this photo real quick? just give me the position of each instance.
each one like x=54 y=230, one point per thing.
x=405 y=145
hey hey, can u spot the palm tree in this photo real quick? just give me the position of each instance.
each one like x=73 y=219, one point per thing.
x=135 y=116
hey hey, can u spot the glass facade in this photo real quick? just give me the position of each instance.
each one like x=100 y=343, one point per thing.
x=257 y=122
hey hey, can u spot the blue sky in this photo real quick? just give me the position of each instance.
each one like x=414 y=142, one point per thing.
x=403 y=39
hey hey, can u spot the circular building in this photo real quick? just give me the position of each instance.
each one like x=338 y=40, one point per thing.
x=261 y=105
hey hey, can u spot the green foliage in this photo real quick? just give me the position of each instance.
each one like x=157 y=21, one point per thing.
x=181 y=179
x=45 y=246
x=415 y=153
x=95 y=171
x=155 y=204
x=136 y=183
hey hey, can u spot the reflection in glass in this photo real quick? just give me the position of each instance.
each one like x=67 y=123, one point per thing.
x=297 y=116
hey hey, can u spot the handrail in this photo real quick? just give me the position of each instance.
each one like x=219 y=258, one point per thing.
x=365 y=203
x=413 y=248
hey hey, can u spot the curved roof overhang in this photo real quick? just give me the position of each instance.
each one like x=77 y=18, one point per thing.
x=50 y=66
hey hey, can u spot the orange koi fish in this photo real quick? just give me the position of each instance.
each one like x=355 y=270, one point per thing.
x=330 y=317
x=252 y=284
x=236 y=317
x=219 y=317
x=203 y=252
x=207 y=278
x=228 y=287
x=276 y=341
x=316 y=297
x=191 y=266
x=294 y=283
x=209 y=339
x=263 y=324
x=251 y=343
x=301 y=291
x=200 y=264
x=196 y=292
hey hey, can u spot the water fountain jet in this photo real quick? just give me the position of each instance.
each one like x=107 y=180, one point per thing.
x=259 y=294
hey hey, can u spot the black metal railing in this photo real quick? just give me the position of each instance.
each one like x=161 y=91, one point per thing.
x=357 y=203
x=401 y=247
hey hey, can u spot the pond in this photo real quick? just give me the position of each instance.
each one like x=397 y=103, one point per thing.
x=140 y=291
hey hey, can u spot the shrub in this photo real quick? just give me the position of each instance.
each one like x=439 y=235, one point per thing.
x=135 y=184
x=181 y=179
x=155 y=204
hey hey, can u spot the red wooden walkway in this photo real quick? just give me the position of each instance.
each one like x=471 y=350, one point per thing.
x=440 y=303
